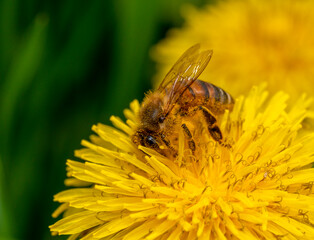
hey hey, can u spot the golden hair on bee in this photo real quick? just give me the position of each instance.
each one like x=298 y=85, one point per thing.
x=151 y=111
x=178 y=98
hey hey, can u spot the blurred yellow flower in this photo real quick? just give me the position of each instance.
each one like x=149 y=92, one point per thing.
x=260 y=188
x=253 y=41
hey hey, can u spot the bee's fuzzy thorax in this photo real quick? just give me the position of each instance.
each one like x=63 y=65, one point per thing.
x=151 y=110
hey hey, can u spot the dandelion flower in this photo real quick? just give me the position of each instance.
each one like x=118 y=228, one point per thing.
x=259 y=188
x=253 y=41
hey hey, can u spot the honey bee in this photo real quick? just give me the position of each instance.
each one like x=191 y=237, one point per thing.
x=181 y=95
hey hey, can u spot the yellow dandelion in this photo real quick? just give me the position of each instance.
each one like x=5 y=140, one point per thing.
x=260 y=188
x=253 y=41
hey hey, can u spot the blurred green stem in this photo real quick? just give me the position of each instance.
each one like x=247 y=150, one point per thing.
x=5 y=220
x=136 y=22
x=8 y=11
x=22 y=70
x=20 y=73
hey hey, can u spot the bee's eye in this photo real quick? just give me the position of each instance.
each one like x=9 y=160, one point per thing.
x=151 y=142
x=161 y=119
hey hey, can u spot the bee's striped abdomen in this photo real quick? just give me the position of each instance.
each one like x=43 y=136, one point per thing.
x=208 y=95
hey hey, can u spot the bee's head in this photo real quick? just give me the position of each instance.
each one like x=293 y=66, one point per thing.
x=153 y=141
x=146 y=138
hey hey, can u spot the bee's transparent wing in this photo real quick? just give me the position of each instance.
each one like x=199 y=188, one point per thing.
x=183 y=73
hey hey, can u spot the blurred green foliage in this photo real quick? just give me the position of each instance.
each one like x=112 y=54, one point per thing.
x=65 y=65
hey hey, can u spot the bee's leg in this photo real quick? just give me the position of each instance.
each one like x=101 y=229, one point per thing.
x=189 y=137
x=213 y=129
x=210 y=120
x=167 y=142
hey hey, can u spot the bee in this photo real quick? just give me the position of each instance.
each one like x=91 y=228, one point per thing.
x=179 y=96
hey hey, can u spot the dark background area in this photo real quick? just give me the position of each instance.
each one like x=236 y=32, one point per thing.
x=64 y=66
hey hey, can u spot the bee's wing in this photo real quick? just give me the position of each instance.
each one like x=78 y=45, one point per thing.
x=183 y=73
x=171 y=75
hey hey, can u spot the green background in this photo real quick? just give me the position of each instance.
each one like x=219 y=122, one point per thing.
x=64 y=66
